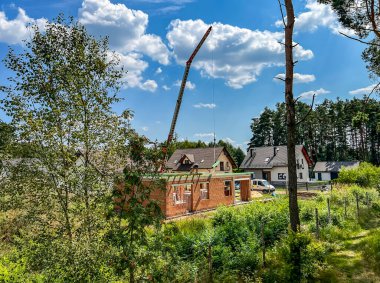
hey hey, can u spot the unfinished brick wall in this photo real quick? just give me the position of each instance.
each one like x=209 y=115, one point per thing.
x=195 y=202
x=216 y=194
x=245 y=190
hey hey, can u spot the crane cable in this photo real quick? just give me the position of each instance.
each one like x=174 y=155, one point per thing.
x=213 y=102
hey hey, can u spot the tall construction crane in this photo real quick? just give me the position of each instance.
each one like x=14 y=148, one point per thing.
x=180 y=94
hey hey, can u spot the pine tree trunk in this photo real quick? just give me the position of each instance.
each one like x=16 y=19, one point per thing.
x=291 y=135
x=291 y=119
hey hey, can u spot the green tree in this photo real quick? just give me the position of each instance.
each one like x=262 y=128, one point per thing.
x=59 y=99
x=6 y=135
x=362 y=17
x=134 y=211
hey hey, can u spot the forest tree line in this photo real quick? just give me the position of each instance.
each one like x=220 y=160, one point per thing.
x=341 y=130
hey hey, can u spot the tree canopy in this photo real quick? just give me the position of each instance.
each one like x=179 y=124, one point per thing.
x=362 y=16
x=342 y=130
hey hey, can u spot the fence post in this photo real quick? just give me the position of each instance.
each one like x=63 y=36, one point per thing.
x=345 y=207
x=316 y=223
x=328 y=211
x=357 y=205
x=307 y=186
x=263 y=240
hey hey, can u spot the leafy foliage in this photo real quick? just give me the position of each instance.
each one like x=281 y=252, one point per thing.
x=367 y=175
x=363 y=18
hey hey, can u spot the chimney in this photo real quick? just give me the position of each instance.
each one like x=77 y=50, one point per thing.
x=275 y=150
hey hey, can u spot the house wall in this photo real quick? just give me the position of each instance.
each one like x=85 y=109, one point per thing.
x=245 y=190
x=216 y=198
x=223 y=158
x=284 y=169
x=216 y=194
x=325 y=176
x=258 y=172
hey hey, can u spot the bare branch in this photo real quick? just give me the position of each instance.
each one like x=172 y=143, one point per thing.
x=295 y=45
x=281 y=43
x=282 y=13
x=281 y=79
x=357 y=39
x=308 y=113
x=372 y=91
x=295 y=62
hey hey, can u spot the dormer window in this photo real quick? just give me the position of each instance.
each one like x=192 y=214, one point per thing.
x=187 y=159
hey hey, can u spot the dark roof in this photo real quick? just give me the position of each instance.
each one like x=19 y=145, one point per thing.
x=265 y=157
x=203 y=157
x=334 y=166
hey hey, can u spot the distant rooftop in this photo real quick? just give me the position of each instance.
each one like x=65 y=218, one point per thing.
x=334 y=166
x=269 y=157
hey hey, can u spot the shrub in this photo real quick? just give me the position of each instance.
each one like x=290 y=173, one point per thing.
x=367 y=175
x=313 y=257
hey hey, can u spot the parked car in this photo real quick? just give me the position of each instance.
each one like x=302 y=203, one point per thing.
x=262 y=185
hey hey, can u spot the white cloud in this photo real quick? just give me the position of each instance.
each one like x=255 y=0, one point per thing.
x=309 y=94
x=239 y=54
x=125 y=28
x=158 y=71
x=189 y=85
x=364 y=90
x=298 y=78
x=204 y=135
x=16 y=30
x=169 y=9
x=229 y=140
x=205 y=105
x=165 y=87
x=135 y=66
x=145 y=129
x=149 y=85
x=318 y=15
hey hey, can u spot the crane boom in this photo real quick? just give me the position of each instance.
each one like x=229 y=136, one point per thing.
x=182 y=88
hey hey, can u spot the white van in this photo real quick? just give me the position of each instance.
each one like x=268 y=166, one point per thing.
x=262 y=185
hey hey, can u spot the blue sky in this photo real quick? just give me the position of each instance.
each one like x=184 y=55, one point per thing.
x=232 y=77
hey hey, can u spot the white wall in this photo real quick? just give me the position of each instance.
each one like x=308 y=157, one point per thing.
x=326 y=176
x=284 y=169
x=305 y=171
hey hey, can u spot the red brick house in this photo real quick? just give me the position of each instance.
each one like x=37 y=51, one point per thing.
x=188 y=193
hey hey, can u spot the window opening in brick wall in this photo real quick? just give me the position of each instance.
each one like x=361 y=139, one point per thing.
x=227 y=188
x=181 y=193
x=205 y=193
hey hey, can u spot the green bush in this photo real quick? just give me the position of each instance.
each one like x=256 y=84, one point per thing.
x=366 y=175
x=313 y=259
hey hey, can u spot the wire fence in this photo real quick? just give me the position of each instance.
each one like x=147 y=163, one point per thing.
x=305 y=186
